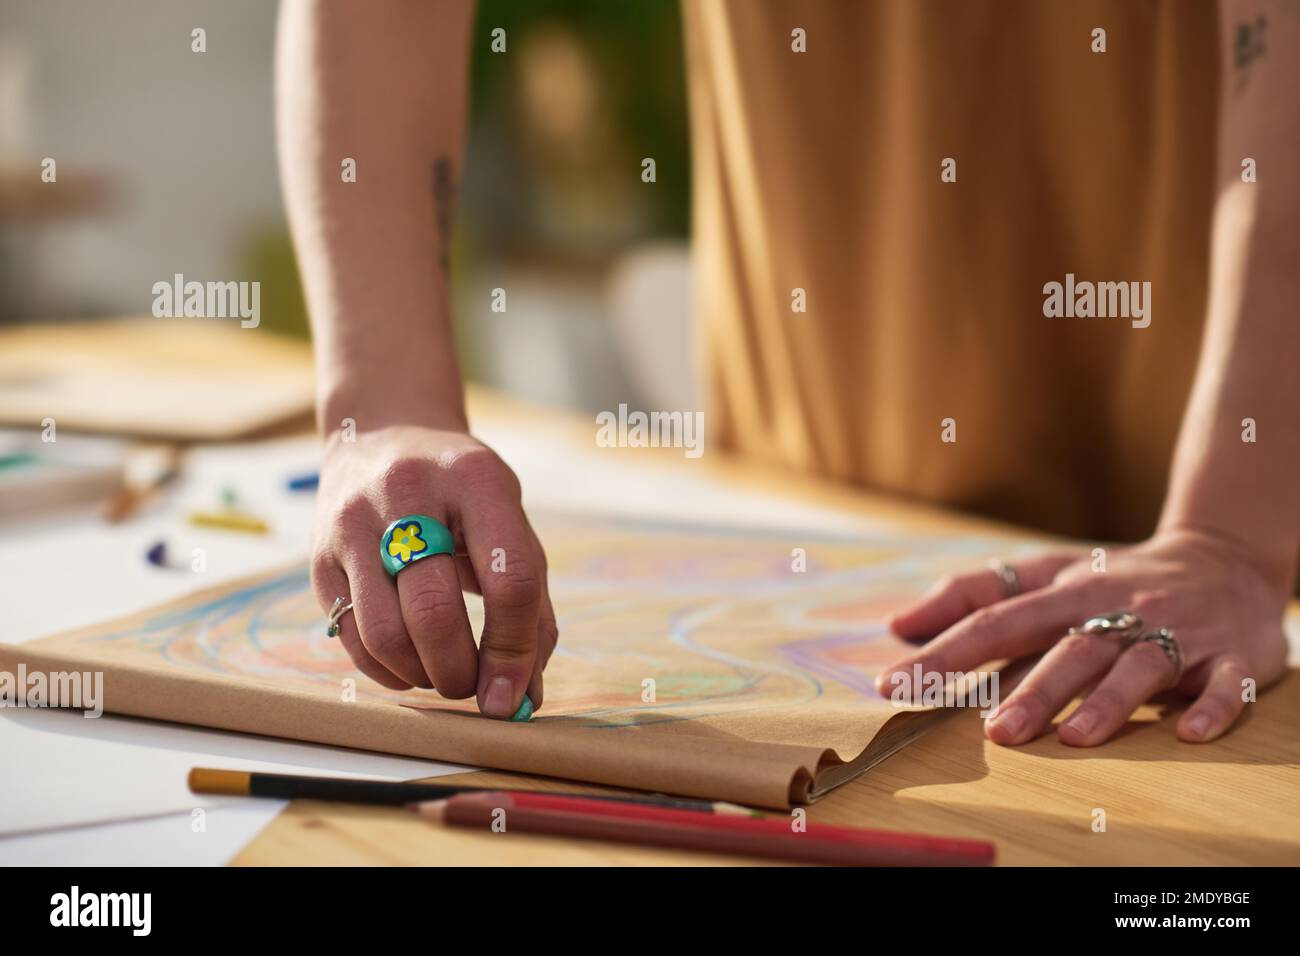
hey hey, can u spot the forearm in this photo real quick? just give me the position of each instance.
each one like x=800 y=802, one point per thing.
x=1221 y=482
x=384 y=85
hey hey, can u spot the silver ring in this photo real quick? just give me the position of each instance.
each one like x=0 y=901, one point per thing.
x=341 y=607
x=1121 y=624
x=1164 y=637
x=1010 y=580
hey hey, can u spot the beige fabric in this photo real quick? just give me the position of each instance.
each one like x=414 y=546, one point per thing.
x=821 y=170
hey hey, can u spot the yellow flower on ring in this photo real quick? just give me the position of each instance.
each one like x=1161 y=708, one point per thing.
x=406 y=543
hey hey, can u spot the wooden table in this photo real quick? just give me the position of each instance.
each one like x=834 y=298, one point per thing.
x=1232 y=802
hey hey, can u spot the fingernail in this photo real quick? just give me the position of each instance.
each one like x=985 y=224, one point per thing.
x=1011 y=722
x=500 y=698
x=1082 y=722
x=1198 y=726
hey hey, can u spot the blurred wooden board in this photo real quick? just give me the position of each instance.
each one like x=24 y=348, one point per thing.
x=26 y=197
x=177 y=379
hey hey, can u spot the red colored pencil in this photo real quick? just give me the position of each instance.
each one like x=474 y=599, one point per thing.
x=767 y=837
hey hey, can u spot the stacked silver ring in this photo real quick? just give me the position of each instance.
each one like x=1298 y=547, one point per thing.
x=1164 y=637
x=1123 y=625
x=1126 y=626
x=341 y=606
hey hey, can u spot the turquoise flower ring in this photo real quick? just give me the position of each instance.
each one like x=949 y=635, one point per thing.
x=413 y=538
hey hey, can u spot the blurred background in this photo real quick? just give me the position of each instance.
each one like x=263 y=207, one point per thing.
x=166 y=164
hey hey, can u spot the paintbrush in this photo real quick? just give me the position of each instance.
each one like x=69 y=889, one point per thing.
x=159 y=466
x=395 y=793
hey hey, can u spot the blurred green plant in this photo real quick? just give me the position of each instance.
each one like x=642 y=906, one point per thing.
x=269 y=258
x=634 y=55
x=618 y=68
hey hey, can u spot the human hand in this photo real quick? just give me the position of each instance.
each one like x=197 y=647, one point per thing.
x=412 y=630
x=1225 y=611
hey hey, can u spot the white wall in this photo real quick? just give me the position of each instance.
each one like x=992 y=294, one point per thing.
x=188 y=138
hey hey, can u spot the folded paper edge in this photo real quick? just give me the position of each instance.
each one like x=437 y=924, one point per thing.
x=756 y=774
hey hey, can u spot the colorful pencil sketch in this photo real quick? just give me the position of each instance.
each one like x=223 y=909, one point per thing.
x=657 y=623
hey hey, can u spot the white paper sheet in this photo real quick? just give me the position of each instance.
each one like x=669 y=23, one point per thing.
x=169 y=840
x=62 y=769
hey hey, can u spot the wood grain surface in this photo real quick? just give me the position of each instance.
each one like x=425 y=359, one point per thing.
x=1235 y=801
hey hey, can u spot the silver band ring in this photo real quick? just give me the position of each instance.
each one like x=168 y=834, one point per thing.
x=341 y=607
x=1164 y=637
x=1010 y=579
x=1121 y=624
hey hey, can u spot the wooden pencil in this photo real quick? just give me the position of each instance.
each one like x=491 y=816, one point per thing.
x=769 y=837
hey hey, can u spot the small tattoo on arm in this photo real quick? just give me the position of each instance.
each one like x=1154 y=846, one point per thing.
x=444 y=199
x=1248 y=46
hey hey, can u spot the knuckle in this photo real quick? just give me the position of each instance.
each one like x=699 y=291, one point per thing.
x=1077 y=650
x=1239 y=661
x=510 y=644
x=1218 y=710
x=510 y=648
x=1154 y=605
x=354 y=515
x=429 y=611
x=549 y=632
x=1107 y=700
x=1152 y=657
x=1233 y=665
x=359 y=656
x=984 y=625
x=515 y=589
x=481 y=467
x=476 y=461
x=933 y=662
x=1036 y=700
x=323 y=569
x=384 y=638
x=1073 y=585
x=405 y=477
x=356 y=649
